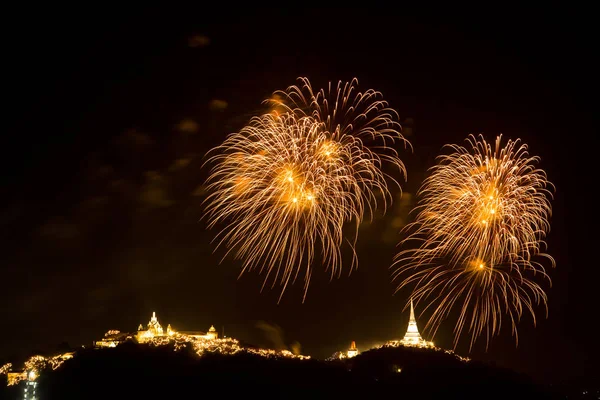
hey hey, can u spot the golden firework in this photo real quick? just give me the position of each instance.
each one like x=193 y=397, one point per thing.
x=287 y=183
x=482 y=218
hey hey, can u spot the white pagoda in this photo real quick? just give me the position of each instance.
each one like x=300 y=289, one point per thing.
x=412 y=338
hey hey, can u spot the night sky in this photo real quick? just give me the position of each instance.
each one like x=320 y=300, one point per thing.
x=108 y=113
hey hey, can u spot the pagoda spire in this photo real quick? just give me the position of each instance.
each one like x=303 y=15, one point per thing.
x=412 y=313
x=412 y=335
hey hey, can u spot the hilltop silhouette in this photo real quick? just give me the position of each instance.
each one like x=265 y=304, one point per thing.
x=138 y=371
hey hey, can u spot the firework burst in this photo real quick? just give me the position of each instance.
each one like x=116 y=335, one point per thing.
x=287 y=183
x=480 y=224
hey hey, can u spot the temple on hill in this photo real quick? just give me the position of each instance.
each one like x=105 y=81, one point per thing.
x=412 y=337
x=352 y=351
x=155 y=330
x=341 y=355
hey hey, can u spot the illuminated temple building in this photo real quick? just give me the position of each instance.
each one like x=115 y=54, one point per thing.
x=352 y=351
x=341 y=355
x=412 y=338
x=155 y=330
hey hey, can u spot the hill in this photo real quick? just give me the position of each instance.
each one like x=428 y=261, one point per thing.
x=138 y=371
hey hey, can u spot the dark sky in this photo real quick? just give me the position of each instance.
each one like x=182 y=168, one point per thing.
x=109 y=111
